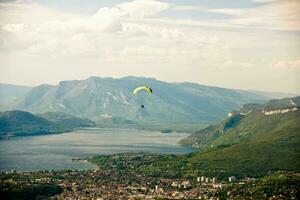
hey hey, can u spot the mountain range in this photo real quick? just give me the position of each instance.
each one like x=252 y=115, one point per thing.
x=110 y=99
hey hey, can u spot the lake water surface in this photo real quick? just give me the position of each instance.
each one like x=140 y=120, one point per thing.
x=56 y=151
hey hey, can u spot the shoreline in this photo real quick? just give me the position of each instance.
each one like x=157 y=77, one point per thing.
x=56 y=151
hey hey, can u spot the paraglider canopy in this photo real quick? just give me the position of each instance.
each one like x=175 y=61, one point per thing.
x=141 y=88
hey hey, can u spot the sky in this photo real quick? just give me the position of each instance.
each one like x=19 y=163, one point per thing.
x=242 y=44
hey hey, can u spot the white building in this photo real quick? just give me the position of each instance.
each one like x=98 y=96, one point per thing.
x=206 y=180
x=231 y=179
x=202 y=178
x=175 y=184
x=186 y=184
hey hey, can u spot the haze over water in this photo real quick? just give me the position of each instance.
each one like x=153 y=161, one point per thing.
x=56 y=151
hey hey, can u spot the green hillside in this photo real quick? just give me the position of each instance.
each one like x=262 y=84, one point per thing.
x=251 y=142
x=21 y=123
x=256 y=140
x=252 y=159
x=65 y=120
x=251 y=124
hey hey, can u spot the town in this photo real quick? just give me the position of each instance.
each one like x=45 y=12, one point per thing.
x=97 y=184
x=114 y=184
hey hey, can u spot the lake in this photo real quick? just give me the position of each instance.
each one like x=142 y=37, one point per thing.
x=56 y=151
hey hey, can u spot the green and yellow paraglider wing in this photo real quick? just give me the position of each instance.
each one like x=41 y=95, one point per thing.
x=146 y=88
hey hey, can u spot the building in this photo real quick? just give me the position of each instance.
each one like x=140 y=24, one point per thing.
x=175 y=184
x=217 y=185
x=206 y=180
x=202 y=178
x=231 y=179
x=186 y=184
x=214 y=180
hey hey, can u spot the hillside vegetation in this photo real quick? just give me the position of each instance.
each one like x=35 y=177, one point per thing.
x=250 y=142
x=66 y=120
x=21 y=123
x=251 y=123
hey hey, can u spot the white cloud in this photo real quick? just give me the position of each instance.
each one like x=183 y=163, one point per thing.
x=100 y=33
x=288 y=64
x=188 y=8
x=263 y=1
x=141 y=8
x=30 y=13
x=104 y=20
x=133 y=29
x=49 y=46
x=187 y=23
x=133 y=38
x=280 y=15
x=47 y=20
x=12 y=27
x=236 y=64
x=62 y=36
x=228 y=11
